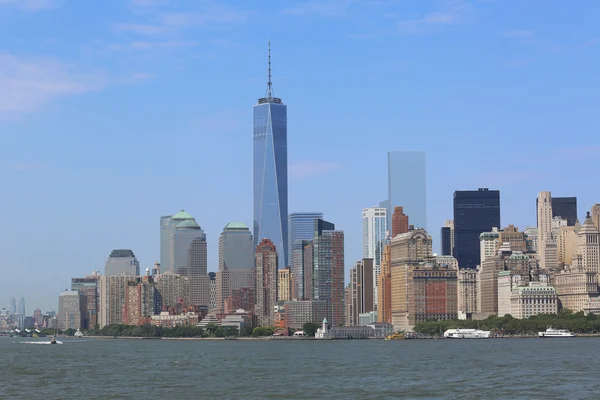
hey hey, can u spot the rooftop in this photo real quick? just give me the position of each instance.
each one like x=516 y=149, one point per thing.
x=122 y=253
x=236 y=225
x=182 y=215
x=188 y=224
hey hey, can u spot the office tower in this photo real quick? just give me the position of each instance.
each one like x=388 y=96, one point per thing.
x=284 y=285
x=266 y=282
x=384 y=286
x=270 y=177
x=302 y=226
x=88 y=287
x=589 y=245
x=22 y=307
x=168 y=226
x=407 y=185
x=236 y=264
x=172 y=290
x=122 y=262
x=361 y=290
x=189 y=258
x=488 y=244
x=544 y=221
x=301 y=269
x=13 y=306
x=446 y=238
x=566 y=208
x=399 y=221
x=212 y=278
x=71 y=306
x=475 y=212
x=328 y=269
x=596 y=215
x=37 y=317
x=514 y=237
x=375 y=229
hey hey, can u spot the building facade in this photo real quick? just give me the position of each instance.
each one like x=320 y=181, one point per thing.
x=71 y=306
x=384 y=287
x=467 y=292
x=475 y=212
x=361 y=290
x=566 y=208
x=407 y=185
x=270 y=176
x=172 y=290
x=399 y=221
x=122 y=262
x=112 y=298
x=375 y=229
x=284 y=284
x=88 y=287
x=575 y=287
x=589 y=245
x=266 y=282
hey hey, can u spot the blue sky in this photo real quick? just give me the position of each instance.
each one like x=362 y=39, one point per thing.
x=113 y=113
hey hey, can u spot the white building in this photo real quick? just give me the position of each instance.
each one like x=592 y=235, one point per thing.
x=489 y=244
x=375 y=227
x=467 y=292
x=71 y=304
x=536 y=298
x=506 y=284
x=589 y=246
x=544 y=222
x=344 y=332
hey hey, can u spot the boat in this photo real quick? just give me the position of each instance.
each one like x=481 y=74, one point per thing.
x=78 y=334
x=467 y=334
x=556 y=333
x=395 y=336
x=53 y=341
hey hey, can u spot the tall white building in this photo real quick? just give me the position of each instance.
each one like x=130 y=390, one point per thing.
x=375 y=227
x=589 y=246
x=489 y=244
x=544 y=222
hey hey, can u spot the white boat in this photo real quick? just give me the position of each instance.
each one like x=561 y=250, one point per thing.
x=556 y=333
x=467 y=334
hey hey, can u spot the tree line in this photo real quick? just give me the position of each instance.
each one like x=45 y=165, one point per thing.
x=565 y=319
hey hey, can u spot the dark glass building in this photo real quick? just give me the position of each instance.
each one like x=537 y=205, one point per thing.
x=446 y=241
x=566 y=208
x=475 y=212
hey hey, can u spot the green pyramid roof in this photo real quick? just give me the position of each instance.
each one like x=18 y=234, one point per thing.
x=236 y=225
x=182 y=216
x=188 y=224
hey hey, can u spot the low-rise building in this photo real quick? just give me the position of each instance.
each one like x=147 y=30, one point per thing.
x=300 y=312
x=575 y=287
x=344 y=332
x=533 y=299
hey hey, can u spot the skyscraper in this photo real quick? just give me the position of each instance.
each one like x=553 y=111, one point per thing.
x=302 y=226
x=302 y=230
x=407 y=185
x=566 y=208
x=446 y=241
x=544 y=221
x=189 y=258
x=122 y=262
x=399 y=221
x=475 y=212
x=596 y=215
x=375 y=229
x=266 y=282
x=270 y=177
x=236 y=264
x=361 y=290
x=328 y=269
x=13 y=306
x=168 y=225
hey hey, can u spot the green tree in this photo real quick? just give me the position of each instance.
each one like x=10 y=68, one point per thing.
x=310 y=328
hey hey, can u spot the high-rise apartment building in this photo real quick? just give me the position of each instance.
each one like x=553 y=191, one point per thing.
x=302 y=231
x=407 y=185
x=236 y=265
x=88 y=286
x=544 y=221
x=172 y=290
x=328 y=269
x=361 y=290
x=270 y=177
x=189 y=258
x=212 y=279
x=284 y=284
x=71 y=305
x=112 y=298
x=141 y=301
x=122 y=262
x=375 y=232
x=399 y=221
x=475 y=212
x=266 y=282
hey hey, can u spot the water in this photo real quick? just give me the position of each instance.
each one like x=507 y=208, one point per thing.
x=301 y=369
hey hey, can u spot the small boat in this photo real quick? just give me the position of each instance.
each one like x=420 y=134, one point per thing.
x=466 y=334
x=556 y=333
x=53 y=341
x=395 y=336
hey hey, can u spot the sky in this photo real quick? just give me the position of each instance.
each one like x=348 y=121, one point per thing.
x=115 y=112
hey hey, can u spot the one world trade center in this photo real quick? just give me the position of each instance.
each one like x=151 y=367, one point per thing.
x=270 y=177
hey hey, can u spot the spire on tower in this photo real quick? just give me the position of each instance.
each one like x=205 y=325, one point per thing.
x=270 y=91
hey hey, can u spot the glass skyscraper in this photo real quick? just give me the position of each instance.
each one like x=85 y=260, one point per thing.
x=302 y=226
x=301 y=231
x=270 y=177
x=407 y=186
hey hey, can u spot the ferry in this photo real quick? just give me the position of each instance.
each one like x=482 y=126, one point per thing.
x=395 y=336
x=467 y=334
x=556 y=333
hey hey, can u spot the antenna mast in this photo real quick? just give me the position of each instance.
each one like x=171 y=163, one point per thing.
x=270 y=92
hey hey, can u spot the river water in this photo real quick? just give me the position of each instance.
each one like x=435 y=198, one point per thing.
x=300 y=369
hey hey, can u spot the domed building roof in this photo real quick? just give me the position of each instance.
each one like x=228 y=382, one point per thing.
x=188 y=224
x=236 y=225
x=182 y=216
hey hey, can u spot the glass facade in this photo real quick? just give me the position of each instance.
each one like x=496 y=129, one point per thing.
x=407 y=186
x=566 y=208
x=475 y=212
x=270 y=178
x=302 y=226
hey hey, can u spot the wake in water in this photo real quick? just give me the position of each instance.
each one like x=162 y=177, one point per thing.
x=48 y=342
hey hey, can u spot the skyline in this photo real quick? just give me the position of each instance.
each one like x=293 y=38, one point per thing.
x=114 y=120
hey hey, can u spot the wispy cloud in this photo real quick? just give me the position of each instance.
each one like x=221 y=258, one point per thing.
x=593 y=42
x=29 y=83
x=208 y=15
x=453 y=12
x=307 y=169
x=27 y=166
x=518 y=33
x=32 y=5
